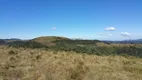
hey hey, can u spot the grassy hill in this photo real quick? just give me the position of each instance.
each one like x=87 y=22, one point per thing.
x=48 y=40
x=59 y=58
x=80 y=46
x=39 y=64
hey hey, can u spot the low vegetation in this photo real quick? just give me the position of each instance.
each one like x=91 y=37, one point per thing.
x=40 y=64
x=59 y=58
x=26 y=44
x=80 y=46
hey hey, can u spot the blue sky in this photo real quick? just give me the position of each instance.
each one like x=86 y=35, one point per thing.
x=88 y=19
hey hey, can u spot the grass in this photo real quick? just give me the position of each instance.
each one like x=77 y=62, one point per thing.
x=38 y=64
x=48 y=40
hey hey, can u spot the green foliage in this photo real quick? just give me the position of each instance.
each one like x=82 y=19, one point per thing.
x=2 y=42
x=82 y=46
x=27 y=44
x=132 y=51
x=90 y=47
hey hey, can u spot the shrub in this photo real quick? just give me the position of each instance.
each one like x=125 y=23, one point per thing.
x=12 y=52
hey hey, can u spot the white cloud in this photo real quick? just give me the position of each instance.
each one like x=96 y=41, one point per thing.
x=110 y=29
x=54 y=28
x=125 y=34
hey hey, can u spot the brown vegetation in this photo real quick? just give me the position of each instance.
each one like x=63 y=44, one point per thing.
x=38 y=64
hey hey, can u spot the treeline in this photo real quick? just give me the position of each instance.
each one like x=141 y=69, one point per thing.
x=83 y=46
x=90 y=47
x=2 y=42
x=26 y=44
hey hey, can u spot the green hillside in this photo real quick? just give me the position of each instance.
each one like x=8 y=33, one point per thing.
x=80 y=46
x=48 y=40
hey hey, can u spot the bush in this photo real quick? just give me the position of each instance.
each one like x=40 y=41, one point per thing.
x=12 y=52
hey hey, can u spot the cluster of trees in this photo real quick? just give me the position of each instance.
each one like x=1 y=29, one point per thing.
x=90 y=47
x=26 y=44
x=132 y=51
x=2 y=42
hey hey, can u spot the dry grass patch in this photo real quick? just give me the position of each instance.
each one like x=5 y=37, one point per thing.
x=37 y=64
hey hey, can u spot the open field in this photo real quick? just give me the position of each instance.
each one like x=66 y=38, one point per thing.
x=39 y=64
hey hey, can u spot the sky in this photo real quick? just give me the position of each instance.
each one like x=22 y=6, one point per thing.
x=85 y=19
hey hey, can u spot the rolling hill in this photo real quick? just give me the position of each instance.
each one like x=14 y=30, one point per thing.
x=48 y=40
x=96 y=47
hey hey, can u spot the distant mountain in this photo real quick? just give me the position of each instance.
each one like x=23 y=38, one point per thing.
x=11 y=40
x=137 y=41
x=7 y=41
